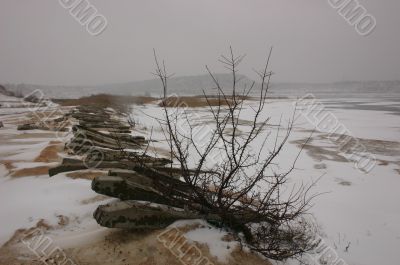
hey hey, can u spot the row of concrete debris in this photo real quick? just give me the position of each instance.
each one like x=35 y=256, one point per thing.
x=150 y=192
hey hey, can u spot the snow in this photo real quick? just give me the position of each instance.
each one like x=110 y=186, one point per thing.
x=3 y=171
x=207 y=234
x=22 y=165
x=27 y=152
x=27 y=200
x=364 y=213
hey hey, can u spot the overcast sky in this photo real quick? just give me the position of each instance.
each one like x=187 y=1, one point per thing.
x=41 y=43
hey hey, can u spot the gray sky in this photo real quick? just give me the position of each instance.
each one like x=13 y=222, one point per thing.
x=40 y=42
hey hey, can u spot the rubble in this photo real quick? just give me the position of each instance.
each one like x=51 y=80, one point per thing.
x=100 y=139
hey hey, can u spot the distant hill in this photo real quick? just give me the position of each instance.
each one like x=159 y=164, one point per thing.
x=6 y=92
x=188 y=85
x=194 y=85
x=353 y=89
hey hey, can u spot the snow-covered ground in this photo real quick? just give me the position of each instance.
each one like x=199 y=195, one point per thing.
x=358 y=211
x=27 y=199
x=63 y=206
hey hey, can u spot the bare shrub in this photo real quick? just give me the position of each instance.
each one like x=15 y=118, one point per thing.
x=244 y=189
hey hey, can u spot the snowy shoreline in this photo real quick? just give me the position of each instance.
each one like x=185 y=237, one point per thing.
x=360 y=211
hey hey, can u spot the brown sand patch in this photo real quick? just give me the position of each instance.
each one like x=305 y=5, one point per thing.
x=121 y=247
x=49 y=154
x=35 y=171
x=8 y=164
x=120 y=103
x=26 y=232
x=383 y=162
x=15 y=253
x=143 y=248
x=90 y=175
x=243 y=257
